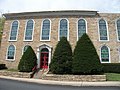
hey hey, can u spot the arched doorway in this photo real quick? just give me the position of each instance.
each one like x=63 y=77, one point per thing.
x=44 y=57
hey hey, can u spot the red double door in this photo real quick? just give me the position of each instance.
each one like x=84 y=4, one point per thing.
x=44 y=60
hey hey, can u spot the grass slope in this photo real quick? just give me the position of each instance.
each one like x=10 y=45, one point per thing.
x=113 y=76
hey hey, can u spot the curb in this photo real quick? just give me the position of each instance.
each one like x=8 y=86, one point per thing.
x=50 y=82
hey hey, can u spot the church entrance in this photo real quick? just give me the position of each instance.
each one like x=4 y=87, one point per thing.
x=44 y=57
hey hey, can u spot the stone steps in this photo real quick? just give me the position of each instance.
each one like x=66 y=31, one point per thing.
x=39 y=74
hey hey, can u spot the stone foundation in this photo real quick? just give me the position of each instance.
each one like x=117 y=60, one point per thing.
x=82 y=78
x=78 y=78
x=15 y=74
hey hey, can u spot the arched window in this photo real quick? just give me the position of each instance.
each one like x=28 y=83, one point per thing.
x=29 y=30
x=14 y=30
x=63 y=30
x=105 y=54
x=45 y=30
x=25 y=48
x=81 y=27
x=11 y=52
x=44 y=50
x=103 y=30
x=118 y=29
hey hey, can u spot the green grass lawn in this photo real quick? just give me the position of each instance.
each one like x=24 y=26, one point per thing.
x=113 y=76
x=12 y=70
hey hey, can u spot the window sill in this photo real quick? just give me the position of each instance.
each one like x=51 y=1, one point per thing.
x=12 y=40
x=27 y=40
x=10 y=60
x=45 y=40
x=105 y=62
x=104 y=40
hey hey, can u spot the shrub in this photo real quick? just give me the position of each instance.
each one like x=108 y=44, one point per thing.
x=28 y=60
x=111 y=67
x=61 y=62
x=3 y=66
x=85 y=58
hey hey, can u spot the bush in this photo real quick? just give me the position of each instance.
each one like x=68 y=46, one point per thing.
x=3 y=66
x=28 y=60
x=61 y=62
x=111 y=68
x=85 y=58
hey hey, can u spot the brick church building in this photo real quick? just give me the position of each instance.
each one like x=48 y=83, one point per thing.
x=43 y=30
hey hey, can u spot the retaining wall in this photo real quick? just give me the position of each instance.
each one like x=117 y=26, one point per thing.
x=87 y=78
x=15 y=74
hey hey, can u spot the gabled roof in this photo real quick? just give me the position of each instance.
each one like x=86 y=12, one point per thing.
x=51 y=13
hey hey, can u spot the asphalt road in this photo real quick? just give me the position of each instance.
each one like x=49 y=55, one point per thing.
x=17 y=85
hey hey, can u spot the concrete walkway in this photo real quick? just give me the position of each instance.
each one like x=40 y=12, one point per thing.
x=40 y=81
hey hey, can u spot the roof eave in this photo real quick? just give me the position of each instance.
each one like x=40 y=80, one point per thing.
x=50 y=13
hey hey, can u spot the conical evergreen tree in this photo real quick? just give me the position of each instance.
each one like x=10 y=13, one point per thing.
x=61 y=62
x=85 y=58
x=28 y=60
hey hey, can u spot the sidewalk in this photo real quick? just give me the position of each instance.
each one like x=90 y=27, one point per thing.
x=40 y=81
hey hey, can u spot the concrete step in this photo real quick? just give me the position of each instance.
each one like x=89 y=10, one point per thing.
x=40 y=73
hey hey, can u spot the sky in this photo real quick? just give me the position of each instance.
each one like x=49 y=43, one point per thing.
x=16 y=6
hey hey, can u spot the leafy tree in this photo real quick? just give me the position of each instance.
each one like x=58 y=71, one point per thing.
x=61 y=62
x=28 y=60
x=85 y=58
x=2 y=20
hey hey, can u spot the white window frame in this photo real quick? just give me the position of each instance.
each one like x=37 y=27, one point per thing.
x=119 y=54
x=26 y=28
x=49 y=30
x=67 y=29
x=14 y=54
x=107 y=30
x=11 y=30
x=109 y=55
x=23 y=48
x=117 y=29
x=77 y=26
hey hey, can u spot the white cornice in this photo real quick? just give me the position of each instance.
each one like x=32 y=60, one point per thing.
x=50 y=13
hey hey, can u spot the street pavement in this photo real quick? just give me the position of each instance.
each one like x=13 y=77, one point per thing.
x=66 y=83
x=7 y=84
